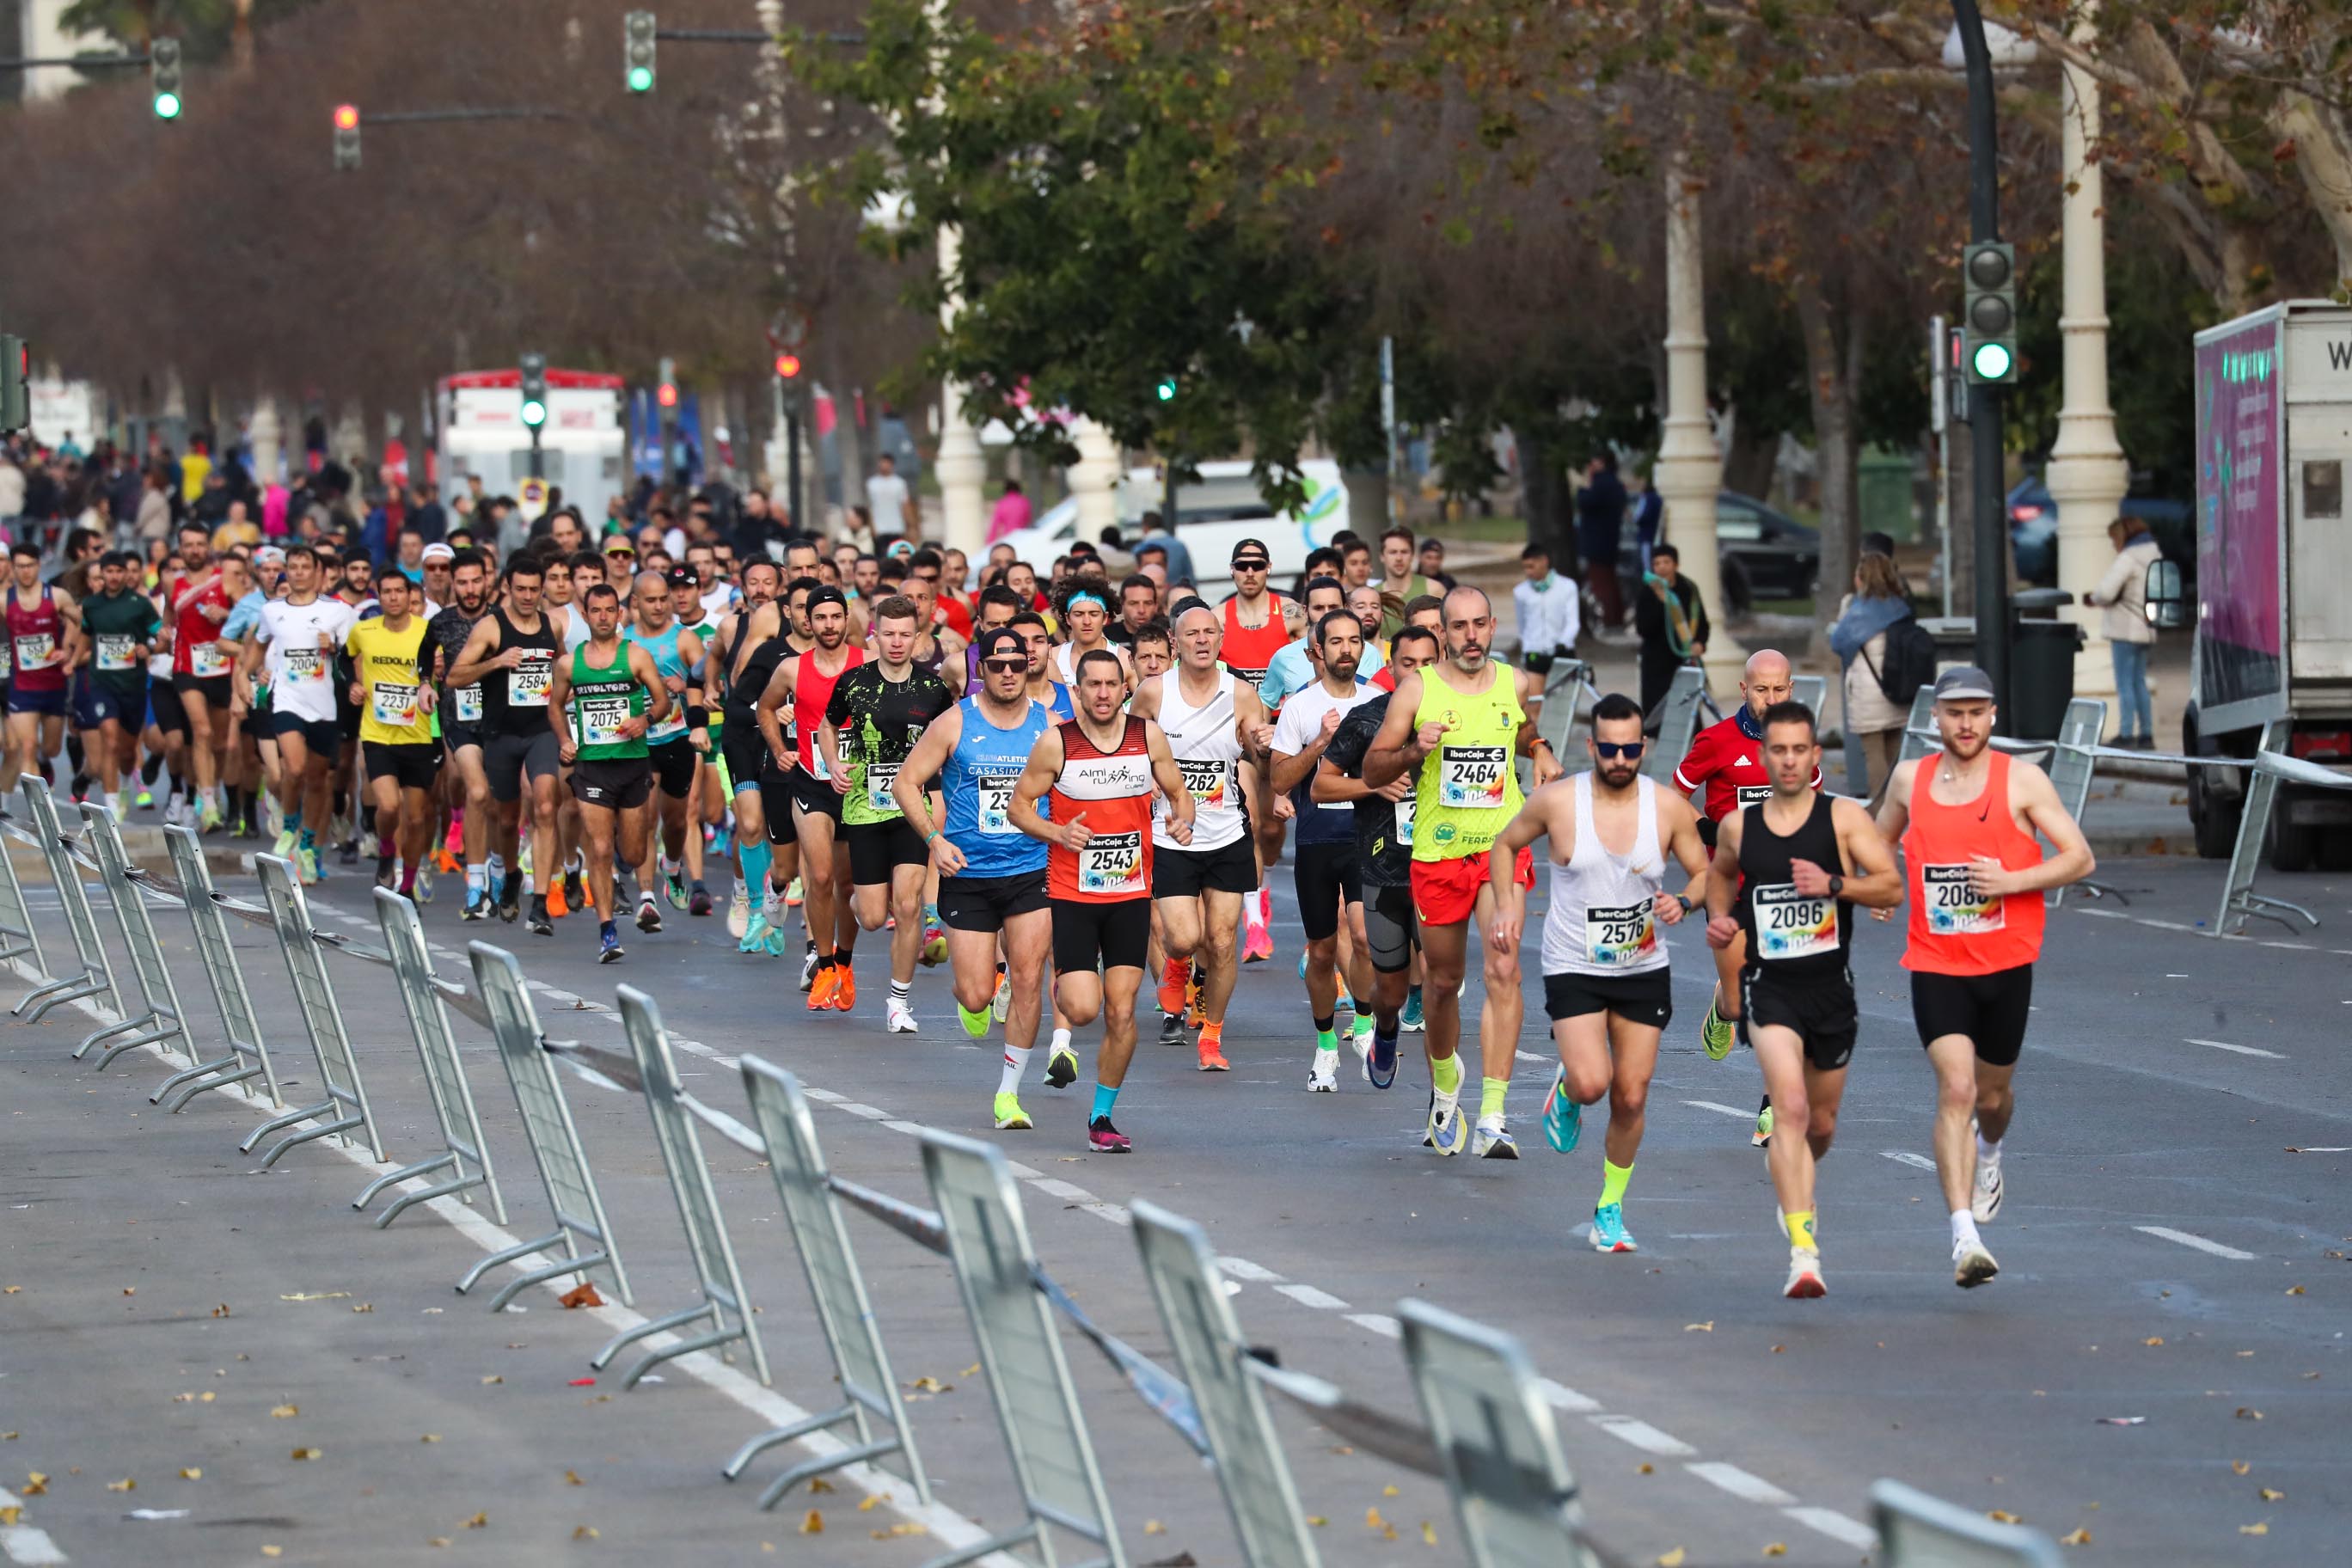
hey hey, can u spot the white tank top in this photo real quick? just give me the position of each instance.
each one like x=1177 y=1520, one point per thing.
x=1599 y=921
x=1208 y=753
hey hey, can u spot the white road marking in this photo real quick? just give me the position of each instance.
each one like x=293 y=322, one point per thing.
x=1381 y=1323
x=1837 y=1526
x=856 y=1107
x=1308 y=1296
x=1559 y=1396
x=2325 y=1149
x=1242 y=1268
x=1115 y=1213
x=1067 y=1191
x=2166 y=1233
x=1644 y=1436
x=2240 y=1050
x=825 y=1096
x=912 y=1129
x=1721 y=1110
x=31 y=1546
x=1904 y=1157
x=1739 y=1483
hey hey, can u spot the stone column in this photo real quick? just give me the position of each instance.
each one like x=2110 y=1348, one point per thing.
x=960 y=467
x=2087 y=475
x=264 y=431
x=1094 y=478
x=1689 y=471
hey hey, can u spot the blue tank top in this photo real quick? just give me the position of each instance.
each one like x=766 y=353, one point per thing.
x=978 y=781
x=668 y=661
x=1063 y=707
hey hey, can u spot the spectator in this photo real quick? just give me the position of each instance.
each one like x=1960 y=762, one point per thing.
x=1649 y=512
x=1157 y=534
x=1672 y=621
x=154 y=513
x=1011 y=513
x=1600 y=518
x=412 y=554
x=1546 y=602
x=890 y=502
x=426 y=515
x=1874 y=724
x=2123 y=594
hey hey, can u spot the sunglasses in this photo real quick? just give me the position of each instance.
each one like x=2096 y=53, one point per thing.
x=1252 y=565
x=1612 y=749
x=1005 y=666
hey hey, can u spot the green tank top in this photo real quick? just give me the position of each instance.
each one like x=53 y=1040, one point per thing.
x=1469 y=787
x=604 y=697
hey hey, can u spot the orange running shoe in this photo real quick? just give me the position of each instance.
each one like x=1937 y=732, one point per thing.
x=445 y=863
x=1213 y=1057
x=821 y=992
x=556 y=907
x=844 y=985
x=1194 y=1018
x=1175 y=980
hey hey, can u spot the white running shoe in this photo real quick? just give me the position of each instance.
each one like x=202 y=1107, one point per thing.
x=1971 y=1264
x=898 y=1018
x=1003 y=999
x=1985 y=1201
x=1323 y=1078
x=808 y=970
x=1493 y=1140
x=1805 y=1282
x=739 y=912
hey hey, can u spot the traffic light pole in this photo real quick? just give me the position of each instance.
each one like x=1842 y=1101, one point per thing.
x=1985 y=432
x=537 y=465
x=799 y=519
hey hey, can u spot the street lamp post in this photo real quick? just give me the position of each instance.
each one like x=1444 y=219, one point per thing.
x=1689 y=473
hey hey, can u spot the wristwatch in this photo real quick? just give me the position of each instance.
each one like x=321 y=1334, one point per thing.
x=1685 y=899
x=1837 y=887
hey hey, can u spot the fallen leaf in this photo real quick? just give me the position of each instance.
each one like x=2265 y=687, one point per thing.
x=205 y=1397
x=221 y=1311
x=1671 y=1559
x=2240 y=1467
x=2295 y=1290
x=1153 y=1527
x=8 y=1436
x=814 y=1524
x=2262 y=1529
x=278 y=1550
x=866 y=1506
x=316 y=1296
x=2272 y=1494
x=131 y=1290
x=1317 y=1521
x=125 y=1485
x=582 y=1295
x=365 y=1306
x=1372 y=1520
x=494 y=1377
x=1388 y=1532
x=908 y=1528
x=931 y=1386
x=1706 y=1328
x=479 y=1521
x=306 y=1453
x=1428 y=1533
x=192 y=1473
x=1342 y=1450
x=1778 y=1348
x=436 y=1541
x=1777 y=1549
x=2153 y=1340
x=1645 y=1469
x=2077 y=1537
x=1389 y=1491
x=287 y=1412
x=584 y=1532
x=2247 y=1413
x=430 y=1437
x=36 y=1483
x=820 y=1485
x=2003 y=1516
x=183 y=1398
x=10 y=1514
x=12 y=1290
x=572 y=1479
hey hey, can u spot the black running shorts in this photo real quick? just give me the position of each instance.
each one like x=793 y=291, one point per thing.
x=1327 y=876
x=1822 y=1011
x=1188 y=873
x=986 y=903
x=877 y=850
x=674 y=766
x=1645 y=997
x=414 y=764
x=1990 y=1009
x=1389 y=928
x=1115 y=935
x=616 y=783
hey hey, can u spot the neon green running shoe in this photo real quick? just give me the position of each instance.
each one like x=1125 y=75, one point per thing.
x=974 y=1024
x=1009 y=1117
x=1762 y=1137
x=1716 y=1033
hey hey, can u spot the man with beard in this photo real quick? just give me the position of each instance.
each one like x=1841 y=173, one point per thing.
x=460 y=709
x=601 y=700
x=674 y=745
x=804 y=682
x=1606 y=985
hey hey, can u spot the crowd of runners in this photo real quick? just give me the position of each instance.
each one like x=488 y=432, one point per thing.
x=1064 y=787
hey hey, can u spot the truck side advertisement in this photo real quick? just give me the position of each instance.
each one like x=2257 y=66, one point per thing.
x=2237 y=532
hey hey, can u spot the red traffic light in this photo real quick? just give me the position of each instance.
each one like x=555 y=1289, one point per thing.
x=787 y=366
x=667 y=395
x=347 y=117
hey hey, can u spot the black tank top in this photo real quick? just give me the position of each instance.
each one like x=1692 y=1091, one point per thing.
x=744 y=692
x=501 y=713
x=1791 y=936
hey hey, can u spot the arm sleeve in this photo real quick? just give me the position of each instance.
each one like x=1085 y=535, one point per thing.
x=836 y=707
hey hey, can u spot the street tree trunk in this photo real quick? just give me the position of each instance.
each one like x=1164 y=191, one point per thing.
x=1833 y=370
x=1546 y=490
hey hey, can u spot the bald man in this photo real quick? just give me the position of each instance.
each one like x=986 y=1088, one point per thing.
x=1726 y=760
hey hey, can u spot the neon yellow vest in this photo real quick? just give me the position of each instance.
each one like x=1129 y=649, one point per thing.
x=1469 y=786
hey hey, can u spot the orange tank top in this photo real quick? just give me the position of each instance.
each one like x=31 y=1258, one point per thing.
x=1114 y=790
x=1953 y=930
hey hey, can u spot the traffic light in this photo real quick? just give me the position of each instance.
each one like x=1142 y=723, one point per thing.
x=1989 y=314
x=666 y=391
x=637 y=52
x=164 y=66
x=1167 y=389
x=788 y=367
x=347 y=136
x=16 y=378
x=534 y=390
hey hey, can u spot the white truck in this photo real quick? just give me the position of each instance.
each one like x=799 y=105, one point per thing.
x=1214 y=511
x=2274 y=638
x=582 y=446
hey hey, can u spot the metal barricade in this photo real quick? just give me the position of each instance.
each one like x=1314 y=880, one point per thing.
x=94 y=977
x=345 y=1109
x=1182 y=1269
x=2072 y=764
x=1812 y=690
x=464 y=1153
x=1512 y=1490
x=1916 y=1530
x=1569 y=694
x=1677 y=723
x=581 y=1228
x=1919 y=728
x=2239 y=901
x=163 y=1019
x=19 y=938
x=723 y=1301
x=844 y=1314
x=1044 y=1434
x=248 y=1053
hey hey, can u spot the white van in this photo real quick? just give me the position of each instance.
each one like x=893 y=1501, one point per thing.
x=1213 y=513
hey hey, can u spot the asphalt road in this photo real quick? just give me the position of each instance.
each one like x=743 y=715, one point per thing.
x=2172 y=1250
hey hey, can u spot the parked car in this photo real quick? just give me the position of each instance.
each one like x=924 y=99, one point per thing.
x=1762 y=554
x=2033 y=529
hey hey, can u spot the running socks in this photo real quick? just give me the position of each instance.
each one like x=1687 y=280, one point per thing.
x=1613 y=1186
x=1061 y=1040
x=1016 y=1058
x=756 y=855
x=1964 y=1229
x=407 y=879
x=1490 y=1096
x=1324 y=1039
x=1445 y=1073
x=1800 y=1228
x=1173 y=978
x=902 y=992
x=1987 y=1153
x=1105 y=1096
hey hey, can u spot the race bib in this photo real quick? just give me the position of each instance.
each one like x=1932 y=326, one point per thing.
x=527 y=683
x=601 y=719
x=671 y=727
x=8 y=663
x=879 y=776
x=1111 y=863
x=468 y=699
x=816 y=765
x=206 y=660
x=1210 y=783
x=112 y=650
x=1620 y=938
x=1404 y=822
x=392 y=702
x=995 y=813
x=1752 y=794
x=301 y=663
x=1791 y=924
x=1472 y=776
x=1954 y=908
x=33 y=652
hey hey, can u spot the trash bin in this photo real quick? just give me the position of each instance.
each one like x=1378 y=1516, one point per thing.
x=2041 y=652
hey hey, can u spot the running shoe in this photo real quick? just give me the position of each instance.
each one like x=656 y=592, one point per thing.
x=1715 y=1032
x=779 y=941
x=509 y=907
x=1971 y=1264
x=444 y=862
x=1381 y=1061
x=540 y=925
x=1493 y=1140
x=423 y=884
x=821 y=991
x=974 y=1024
x=844 y=988
x=648 y=914
x=793 y=895
x=1061 y=1068
x=739 y=912
x=935 y=942
x=1104 y=1138
x=146 y=802
x=575 y=891
x=478 y=905
x=1609 y=1232
x=755 y=940
x=386 y=877
x=347 y=853
x=1002 y=1006
x=1985 y=1201
x=1323 y=1076
x=1804 y=1276
x=1213 y=1057
x=674 y=889
x=718 y=841
x=559 y=904
x=808 y=967
x=306 y=864
x=698 y=901
x=1448 y=1129
x=286 y=842
x=608 y=947
x=1171 y=1028
x=209 y=818
x=1563 y=1118
x=1009 y=1117
x=1411 y=1020
x=1257 y=945
x=898 y=1018
x=1762 y=1137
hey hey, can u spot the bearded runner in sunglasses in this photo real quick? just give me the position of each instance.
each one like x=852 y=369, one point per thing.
x=1606 y=984
x=1796 y=863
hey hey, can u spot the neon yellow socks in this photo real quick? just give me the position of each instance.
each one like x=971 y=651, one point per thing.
x=1800 y=1231
x=1490 y=1096
x=1613 y=1183
x=1446 y=1073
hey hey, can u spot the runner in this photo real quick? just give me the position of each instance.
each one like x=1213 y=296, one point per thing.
x=1212 y=718
x=1255 y=631
x=675 y=746
x=396 y=705
x=991 y=876
x=1098 y=774
x=1466 y=714
x=1795 y=864
x=296 y=641
x=515 y=647
x=1976 y=874
x=1606 y=985
x=744 y=652
x=200 y=600
x=878 y=711
x=1328 y=867
x=123 y=626
x=460 y=712
x=804 y=681
x=601 y=700
x=44 y=645
x=1724 y=760
x=1085 y=616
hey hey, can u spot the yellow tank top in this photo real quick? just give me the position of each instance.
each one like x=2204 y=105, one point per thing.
x=1469 y=786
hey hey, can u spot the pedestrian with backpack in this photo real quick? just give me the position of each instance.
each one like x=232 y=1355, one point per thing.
x=1881 y=647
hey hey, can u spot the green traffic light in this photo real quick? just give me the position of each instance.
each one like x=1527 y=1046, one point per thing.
x=641 y=78
x=534 y=412
x=167 y=106
x=1991 y=361
x=1168 y=389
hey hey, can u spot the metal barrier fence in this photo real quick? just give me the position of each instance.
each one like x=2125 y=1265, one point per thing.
x=248 y=1052
x=1677 y=717
x=345 y=1109
x=93 y=979
x=163 y=1021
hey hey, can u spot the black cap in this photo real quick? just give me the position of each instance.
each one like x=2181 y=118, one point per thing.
x=1246 y=549
x=827 y=595
x=1003 y=640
